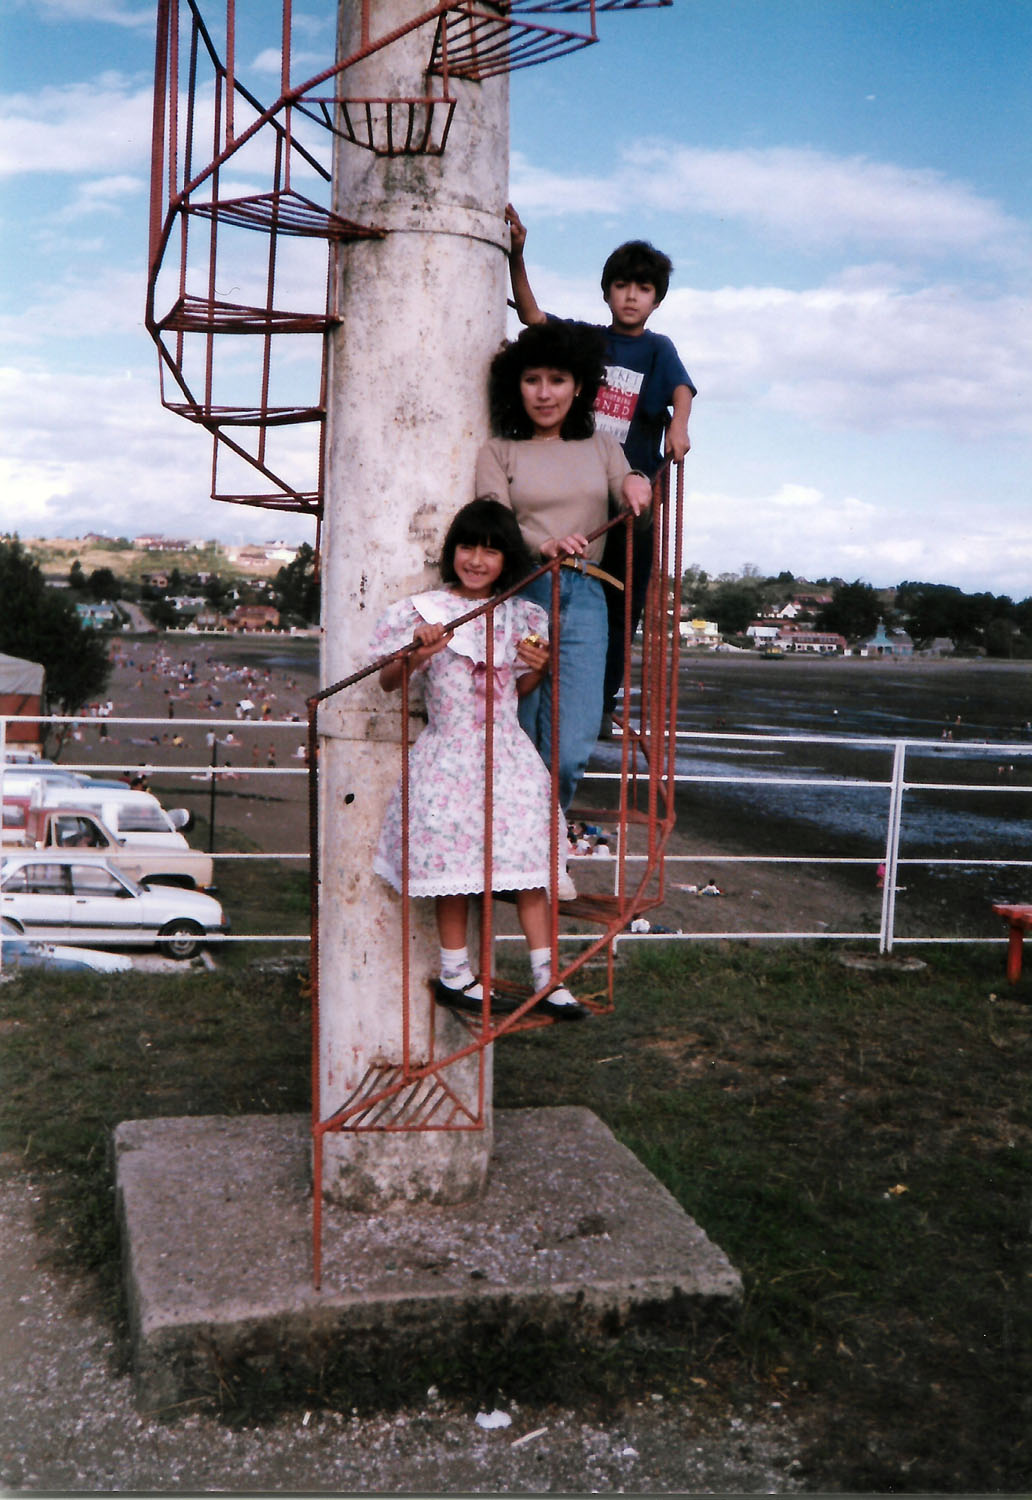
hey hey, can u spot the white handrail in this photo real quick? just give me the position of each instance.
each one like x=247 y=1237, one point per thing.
x=896 y=787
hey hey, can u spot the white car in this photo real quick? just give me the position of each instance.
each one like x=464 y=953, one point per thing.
x=17 y=953
x=55 y=894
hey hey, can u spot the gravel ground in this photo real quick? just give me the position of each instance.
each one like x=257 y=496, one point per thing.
x=68 y=1423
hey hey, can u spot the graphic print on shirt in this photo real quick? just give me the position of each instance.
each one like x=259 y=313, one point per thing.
x=616 y=401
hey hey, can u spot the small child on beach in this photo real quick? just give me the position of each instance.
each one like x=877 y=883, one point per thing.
x=645 y=402
x=483 y=554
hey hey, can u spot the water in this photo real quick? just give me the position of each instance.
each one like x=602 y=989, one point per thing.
x=982 y=706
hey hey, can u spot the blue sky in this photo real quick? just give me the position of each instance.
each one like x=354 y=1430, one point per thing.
x=844 y=187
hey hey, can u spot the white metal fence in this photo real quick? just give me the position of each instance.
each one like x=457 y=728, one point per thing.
x=896 y=787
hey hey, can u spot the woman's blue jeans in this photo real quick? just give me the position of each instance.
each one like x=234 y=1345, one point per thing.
x=583 y=637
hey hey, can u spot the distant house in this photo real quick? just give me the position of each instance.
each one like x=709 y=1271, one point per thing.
x=254 y=617
x=281 y=552
x=162 y=544
x=21 y=693
x=803 y=604
x=98 y=616
x=154 y=580
x=700 y=633
x=886 y=643
x=763 y=633
x=812 y=642
x=248 y=556
x=941 y=646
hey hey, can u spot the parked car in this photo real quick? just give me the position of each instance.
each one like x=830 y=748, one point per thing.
x=126 y=810
x=60 y=894
x=150 y=861
x=17 y=952
x=130 y=814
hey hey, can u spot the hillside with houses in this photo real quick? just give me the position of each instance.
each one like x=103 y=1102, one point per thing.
x=155 y=581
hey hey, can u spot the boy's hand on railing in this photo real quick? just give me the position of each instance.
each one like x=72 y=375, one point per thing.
x=677 y=443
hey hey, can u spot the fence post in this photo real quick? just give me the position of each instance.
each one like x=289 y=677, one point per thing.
x=3 y=763
x=888 y=913
x=211 y=792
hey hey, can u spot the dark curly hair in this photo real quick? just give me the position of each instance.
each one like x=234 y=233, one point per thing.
x=487 y=523
x=554 y=345
x=637 y=260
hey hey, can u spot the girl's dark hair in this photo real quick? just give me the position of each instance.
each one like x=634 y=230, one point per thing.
x=487 y=523
x=637 y=260
x=554 y=345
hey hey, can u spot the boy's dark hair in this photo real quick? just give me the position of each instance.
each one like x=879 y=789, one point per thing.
x=637 y=260
x=487 y=523
x=554 y=345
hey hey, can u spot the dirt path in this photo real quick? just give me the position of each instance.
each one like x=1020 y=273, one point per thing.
x=67 y=1422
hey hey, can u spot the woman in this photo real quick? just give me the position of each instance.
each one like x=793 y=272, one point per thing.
x=562 y=480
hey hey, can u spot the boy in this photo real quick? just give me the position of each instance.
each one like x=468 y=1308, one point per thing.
x=645 y=383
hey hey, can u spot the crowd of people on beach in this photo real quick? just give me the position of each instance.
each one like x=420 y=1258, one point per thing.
x=150 y=682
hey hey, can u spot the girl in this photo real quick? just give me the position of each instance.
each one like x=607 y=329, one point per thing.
x=483 y=554
x=562 y=480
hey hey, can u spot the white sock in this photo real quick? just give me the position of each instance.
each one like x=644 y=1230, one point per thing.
x=541 y=968
x=457 y=974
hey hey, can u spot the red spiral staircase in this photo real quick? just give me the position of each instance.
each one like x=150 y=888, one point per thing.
x=240 y=297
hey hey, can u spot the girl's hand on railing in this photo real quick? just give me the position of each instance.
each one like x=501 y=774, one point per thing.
x=430 y=639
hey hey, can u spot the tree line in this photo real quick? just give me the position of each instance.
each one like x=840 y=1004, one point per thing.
x=41 y=624
x=981 y=622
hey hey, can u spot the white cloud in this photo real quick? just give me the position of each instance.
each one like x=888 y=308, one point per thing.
x=864 y=356
x=812 y=197
x=303 y=64
x=806 y=198
x=84 y=305
x=103 y=195
x=101 y=127
x=798 y=526
x=112 y=11
x=91 y=452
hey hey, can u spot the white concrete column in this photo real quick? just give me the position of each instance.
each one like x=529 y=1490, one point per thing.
x=422 y=311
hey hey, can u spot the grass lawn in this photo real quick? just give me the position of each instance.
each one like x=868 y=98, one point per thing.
x=858 y=1141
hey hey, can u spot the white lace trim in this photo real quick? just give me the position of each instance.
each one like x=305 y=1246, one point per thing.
x=460 y=885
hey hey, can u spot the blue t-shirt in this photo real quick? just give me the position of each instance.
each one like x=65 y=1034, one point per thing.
x=633 y=404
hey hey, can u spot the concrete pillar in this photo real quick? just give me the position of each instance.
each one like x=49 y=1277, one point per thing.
x=422 y=312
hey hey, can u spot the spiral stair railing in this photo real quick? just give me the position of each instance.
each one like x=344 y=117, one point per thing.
x=426 y=1095
x=222 y=162
x=225 y=170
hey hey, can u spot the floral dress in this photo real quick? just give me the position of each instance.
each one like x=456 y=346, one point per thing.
x=446 y=763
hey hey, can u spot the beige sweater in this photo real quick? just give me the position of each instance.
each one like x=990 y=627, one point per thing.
x=556 y=487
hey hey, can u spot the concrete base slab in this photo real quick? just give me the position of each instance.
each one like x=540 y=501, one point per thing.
x=572 y=1238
